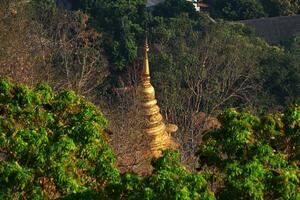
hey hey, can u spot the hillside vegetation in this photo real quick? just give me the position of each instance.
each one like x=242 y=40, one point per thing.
x=53 y=146
x=234 y=97
x=252 y=9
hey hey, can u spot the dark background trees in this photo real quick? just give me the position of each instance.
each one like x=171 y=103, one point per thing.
x=237 y=9
x=280 y=74
x=252 y=9
x=281 y=8
x=121 y=25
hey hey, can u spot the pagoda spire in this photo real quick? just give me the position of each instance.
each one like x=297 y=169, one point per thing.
x=153 y=125
x=146 y=69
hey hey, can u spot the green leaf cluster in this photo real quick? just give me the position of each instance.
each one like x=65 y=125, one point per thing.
x=122 y=24
x=51 y=145
x=254 y=158
x=251 y=9
x=169 y=180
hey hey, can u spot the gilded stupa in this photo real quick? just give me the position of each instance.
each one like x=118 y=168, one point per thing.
x=153 y=125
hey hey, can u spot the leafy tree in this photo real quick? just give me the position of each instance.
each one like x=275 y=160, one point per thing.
x=121 y=22
x=293 y=78
x=51 y=145
x=281 y=7
x=280 y=74
x=274 y=74
x=169 y=180
x=254 y=158
x=237 y=9
x=252 y=9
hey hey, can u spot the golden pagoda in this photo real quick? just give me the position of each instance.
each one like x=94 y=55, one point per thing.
x=153 y=125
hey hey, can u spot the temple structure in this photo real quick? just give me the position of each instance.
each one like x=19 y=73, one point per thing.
x=275 y=30
x=158 y=134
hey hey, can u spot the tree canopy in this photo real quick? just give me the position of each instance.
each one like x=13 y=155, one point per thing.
x=237 y=9
x=121 y=22
x=252 y=157
x=252 y=9
x=53 y=146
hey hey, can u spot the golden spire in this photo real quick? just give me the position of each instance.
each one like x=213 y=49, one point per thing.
x=153 y=125
x=146 y=69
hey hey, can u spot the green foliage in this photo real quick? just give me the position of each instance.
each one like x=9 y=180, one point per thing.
x=45 y=5
x=121 y=21
x=43 y=9
x=280 y=74
x=251 y=9
x=237 y=9
x=169 y=180
x=51 y=144
x=194 y=66
x=281 y=7
x=254 y=158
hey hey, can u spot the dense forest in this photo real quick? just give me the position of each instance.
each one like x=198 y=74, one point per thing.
x=69 y=105
x=251 y=9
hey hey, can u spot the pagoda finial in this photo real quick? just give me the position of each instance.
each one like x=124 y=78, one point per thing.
x=146 y=69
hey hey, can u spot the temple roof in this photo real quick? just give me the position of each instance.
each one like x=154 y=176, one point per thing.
x=276 y=30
